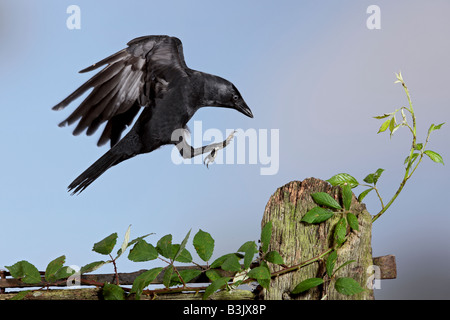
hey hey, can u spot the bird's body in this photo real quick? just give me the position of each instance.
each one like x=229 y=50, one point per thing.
x=151 y=75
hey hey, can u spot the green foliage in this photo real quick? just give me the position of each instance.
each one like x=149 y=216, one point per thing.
x=25 y=271
x=113 y=292
x=317 y=215
x=324 y=199
x=343 y=178
x=143 y=251
x=307 y=284
x=352 y=221
x=413 y=159
x=204 y=245
x=106 y=245
x=143 y=280
x=51 y=272
x=266 y=234
x=347 y=286
x=273 y=257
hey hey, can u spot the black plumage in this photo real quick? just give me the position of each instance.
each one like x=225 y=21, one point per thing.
x=149 y=75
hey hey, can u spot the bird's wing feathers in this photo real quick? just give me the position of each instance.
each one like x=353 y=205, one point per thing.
x=132 y=78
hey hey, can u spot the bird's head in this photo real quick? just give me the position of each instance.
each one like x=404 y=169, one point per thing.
x=224 y=94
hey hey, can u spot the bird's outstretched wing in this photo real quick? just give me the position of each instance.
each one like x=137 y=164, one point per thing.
x=132 y=79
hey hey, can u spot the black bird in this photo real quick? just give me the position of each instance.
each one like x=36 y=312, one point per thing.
x=150 y=74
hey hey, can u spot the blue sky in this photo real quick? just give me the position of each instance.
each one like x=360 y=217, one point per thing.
x=310 y=69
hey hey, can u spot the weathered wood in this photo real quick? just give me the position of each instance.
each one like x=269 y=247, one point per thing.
x=298 y=242
x=96 y=294
x=387 y=265
x=124 y=278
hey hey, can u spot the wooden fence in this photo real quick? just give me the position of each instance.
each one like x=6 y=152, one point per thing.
x=294 y=240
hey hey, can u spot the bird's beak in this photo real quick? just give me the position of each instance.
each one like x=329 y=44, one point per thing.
x=243 y=108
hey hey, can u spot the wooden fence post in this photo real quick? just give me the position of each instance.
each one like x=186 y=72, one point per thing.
x=298 y=241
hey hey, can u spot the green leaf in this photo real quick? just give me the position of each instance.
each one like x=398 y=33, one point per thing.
x=259 y=273
x=143 y=280
x=219 y=261
x=273 y=257
x=392 y=124
x=124 y=245
x=352 y=221
x=395 y=129
x=324 y=199
x=347 y=286
x=373 y=177
x=317 y=215
x=436 y=157
x=184 y=256
x=168 y=275
x=182 y=246
x=53 y=267
x=213 y=274
x=266 y=235
x=307 y=284
x=106 y=245
x=214 y=286
x=231 y=263
x=204 y=245
x=187 y=275
x=411 y=160
x=384 y=115
x=347 y=196
x=265 y=283
x=363 y=194
x=369 y=178
x=418 y=146
x=143 y=251
x=435 y=127
x=384 y=126
x=136 y=240
x=92 y=266
x=377 y=175
x=331 y=262
x=249 y=248
x=25 y=271
x=344 y=264
x=20 y=295
x=342 y=178
x=63 y=273
x=164 y=246
x=341 y=231
x=113 y=292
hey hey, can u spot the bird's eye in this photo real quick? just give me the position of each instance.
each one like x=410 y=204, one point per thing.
x=235 y=97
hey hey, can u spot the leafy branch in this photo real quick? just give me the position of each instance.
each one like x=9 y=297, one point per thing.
x=412 y=161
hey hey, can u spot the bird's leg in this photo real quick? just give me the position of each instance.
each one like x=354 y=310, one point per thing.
x=188 y=151
x=216 y=147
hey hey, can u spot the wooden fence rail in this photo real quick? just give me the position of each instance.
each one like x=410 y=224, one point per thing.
x=386 y=264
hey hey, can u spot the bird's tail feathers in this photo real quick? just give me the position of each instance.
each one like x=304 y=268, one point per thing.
x=108 y=160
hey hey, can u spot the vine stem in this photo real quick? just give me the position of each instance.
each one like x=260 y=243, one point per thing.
x=302 y=264
x=411 y=152
x=115 y=269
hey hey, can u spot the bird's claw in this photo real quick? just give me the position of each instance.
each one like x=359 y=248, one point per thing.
x=210 y=158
